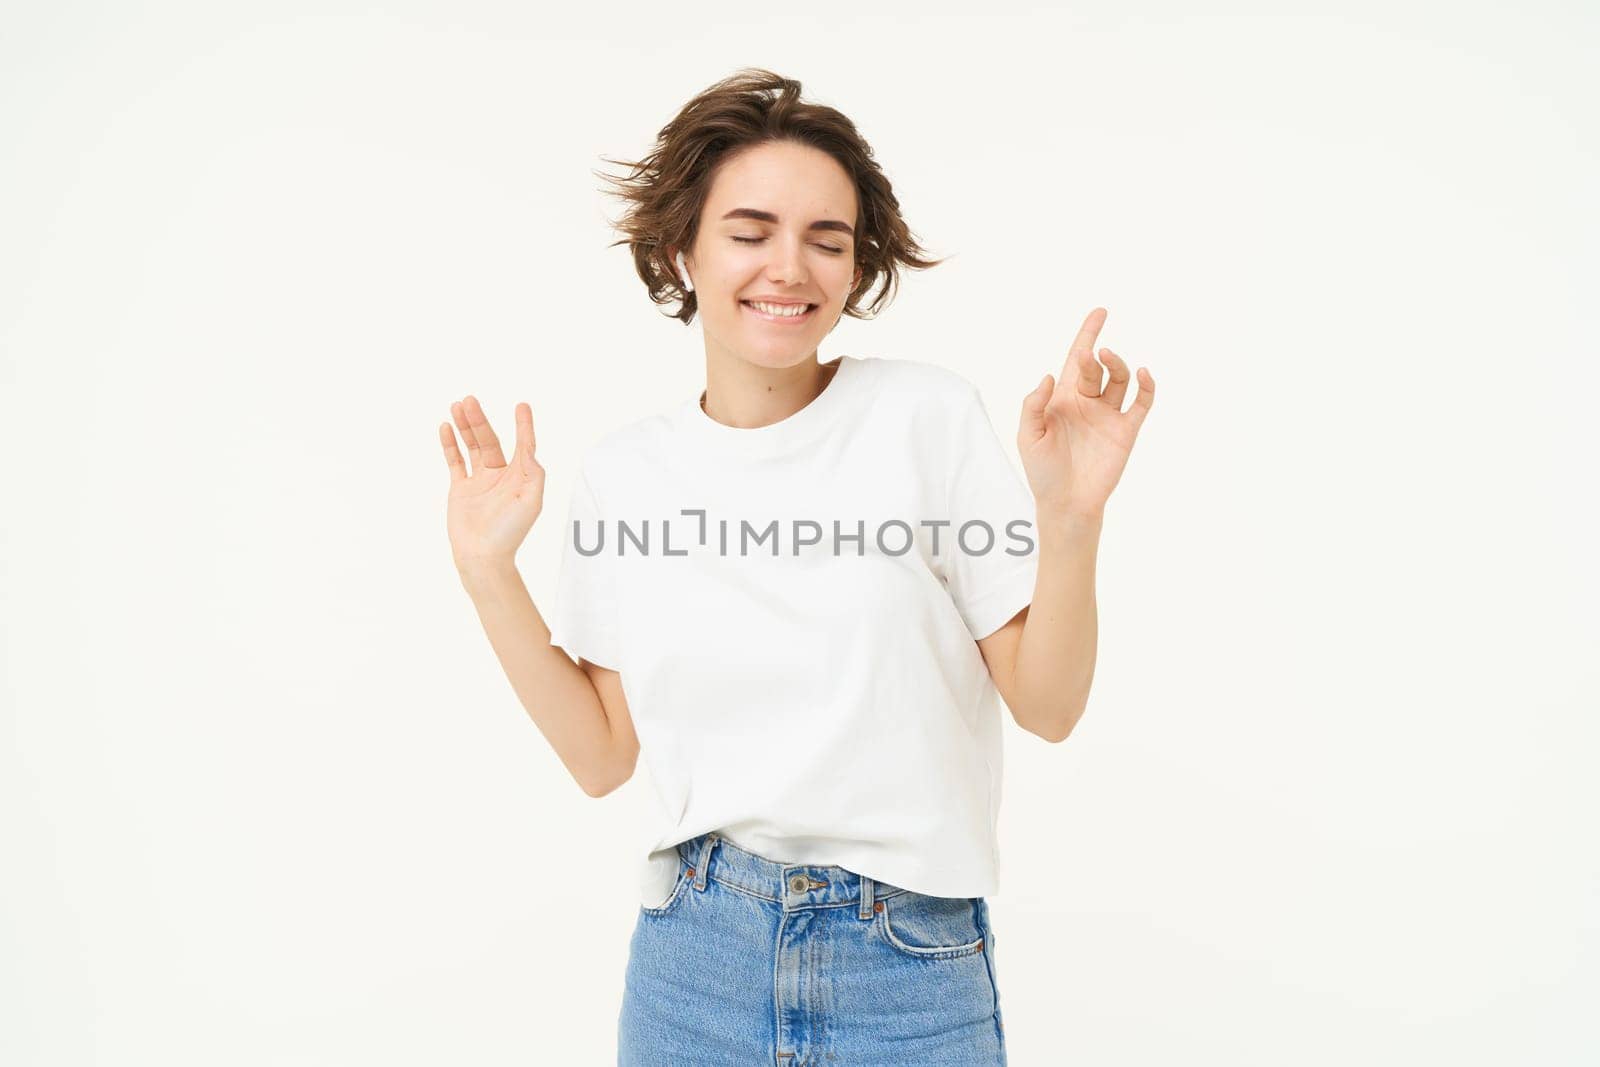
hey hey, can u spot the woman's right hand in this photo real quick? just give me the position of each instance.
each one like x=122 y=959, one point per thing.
x=490 y=510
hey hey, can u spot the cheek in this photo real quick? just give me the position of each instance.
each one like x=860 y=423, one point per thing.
x=841 y=282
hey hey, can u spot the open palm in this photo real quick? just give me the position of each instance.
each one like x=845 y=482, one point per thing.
x=1074 y=438
x=491 y=509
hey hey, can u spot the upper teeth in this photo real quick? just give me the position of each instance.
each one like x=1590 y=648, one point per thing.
x=779 y=309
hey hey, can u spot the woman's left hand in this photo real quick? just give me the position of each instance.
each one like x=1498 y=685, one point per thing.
x=1075 y=438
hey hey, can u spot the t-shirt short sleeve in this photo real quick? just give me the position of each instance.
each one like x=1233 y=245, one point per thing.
x=584 y=619
x=987 y=587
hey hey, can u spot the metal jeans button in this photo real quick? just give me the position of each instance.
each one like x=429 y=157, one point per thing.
x=797 y=884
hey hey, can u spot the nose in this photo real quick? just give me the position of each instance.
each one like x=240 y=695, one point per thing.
x=787 y=265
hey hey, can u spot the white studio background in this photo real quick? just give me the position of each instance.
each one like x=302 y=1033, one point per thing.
x=268 y=798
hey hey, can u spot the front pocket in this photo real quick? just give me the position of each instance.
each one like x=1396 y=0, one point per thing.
x=679 y=891
x=930 y=927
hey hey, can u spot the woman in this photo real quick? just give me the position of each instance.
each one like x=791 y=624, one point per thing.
x=818 y=578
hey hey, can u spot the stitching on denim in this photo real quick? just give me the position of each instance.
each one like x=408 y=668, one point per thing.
x=742 y=889
x=949 y=952
x=776 y=900
x=994 y=982
x=677 y=894
x=881 y=890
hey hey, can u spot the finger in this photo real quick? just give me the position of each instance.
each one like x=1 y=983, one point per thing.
x=1031 y=426
x=487 y=440
x=1143 y=399
x=525 y=438
x=452 y=454
x=1080 y=363
x=1085 y=374
x=459 y=414
x=1117 y=384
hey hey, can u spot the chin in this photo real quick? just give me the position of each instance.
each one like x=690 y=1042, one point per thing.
x=789 y=357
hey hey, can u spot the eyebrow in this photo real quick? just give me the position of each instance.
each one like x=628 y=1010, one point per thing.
x=767 y=216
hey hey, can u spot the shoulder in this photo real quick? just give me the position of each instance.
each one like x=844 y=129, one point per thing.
x=934 y=379
x=926 y=386
x=617 y=454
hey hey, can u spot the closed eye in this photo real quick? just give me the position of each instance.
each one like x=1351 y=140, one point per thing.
x=758 y=240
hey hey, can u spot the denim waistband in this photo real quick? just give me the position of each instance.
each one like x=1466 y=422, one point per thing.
x=794 y=885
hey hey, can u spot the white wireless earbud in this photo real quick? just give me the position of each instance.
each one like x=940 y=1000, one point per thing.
x=683 y=272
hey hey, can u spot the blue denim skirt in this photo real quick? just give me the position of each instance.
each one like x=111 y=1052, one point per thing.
x=751 y=961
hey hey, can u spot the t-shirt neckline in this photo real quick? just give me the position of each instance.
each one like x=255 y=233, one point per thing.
x=777 y=434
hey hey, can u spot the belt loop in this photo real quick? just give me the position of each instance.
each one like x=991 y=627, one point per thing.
x=866 y=898
x=704 y=863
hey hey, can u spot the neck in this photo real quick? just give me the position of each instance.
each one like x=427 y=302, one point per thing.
x=742 y=395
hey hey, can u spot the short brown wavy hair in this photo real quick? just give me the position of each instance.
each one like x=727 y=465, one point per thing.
x=666 y=191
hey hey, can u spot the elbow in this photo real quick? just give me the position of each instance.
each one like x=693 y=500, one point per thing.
x=599 y=787
x=615 y=777
x=1055 y=733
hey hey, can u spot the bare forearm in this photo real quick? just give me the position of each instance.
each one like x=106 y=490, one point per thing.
x=1056 y=652
x=554 y=690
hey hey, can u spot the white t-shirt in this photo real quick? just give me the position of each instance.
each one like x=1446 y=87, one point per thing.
x=815 y=701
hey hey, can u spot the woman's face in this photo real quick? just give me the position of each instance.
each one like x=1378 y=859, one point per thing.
x=804 y=253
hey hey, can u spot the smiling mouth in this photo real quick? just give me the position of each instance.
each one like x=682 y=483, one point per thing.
x=780 y=319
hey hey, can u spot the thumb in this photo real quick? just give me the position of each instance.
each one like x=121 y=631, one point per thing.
x=1033 y=408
